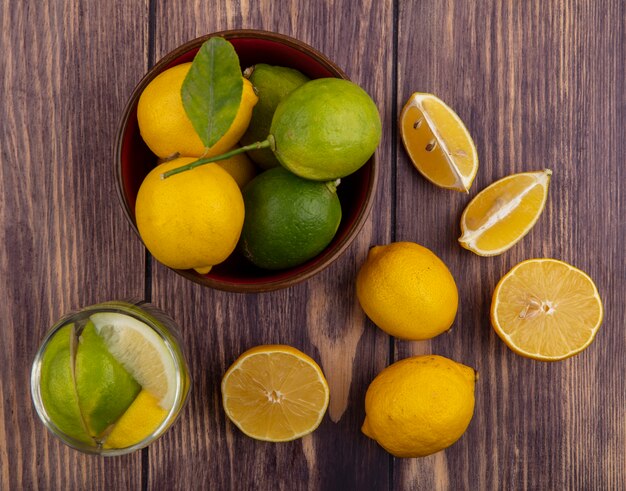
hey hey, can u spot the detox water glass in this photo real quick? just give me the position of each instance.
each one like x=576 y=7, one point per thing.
x=145 y=317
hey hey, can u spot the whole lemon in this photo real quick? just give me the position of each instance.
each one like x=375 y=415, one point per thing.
x=419 y=405
x=165 y=127
x=407 y=291
x=192 y=219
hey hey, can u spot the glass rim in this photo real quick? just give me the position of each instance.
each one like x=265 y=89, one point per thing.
x=168 y=333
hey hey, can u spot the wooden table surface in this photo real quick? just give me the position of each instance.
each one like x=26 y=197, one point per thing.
x=538 y=83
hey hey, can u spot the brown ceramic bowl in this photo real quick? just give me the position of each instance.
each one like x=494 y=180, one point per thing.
x=133 y=161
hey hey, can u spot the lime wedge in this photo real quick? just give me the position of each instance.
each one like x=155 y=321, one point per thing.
x=58 y=394
x=105 y=389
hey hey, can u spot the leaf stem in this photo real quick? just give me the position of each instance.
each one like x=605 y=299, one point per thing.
x=192 y=165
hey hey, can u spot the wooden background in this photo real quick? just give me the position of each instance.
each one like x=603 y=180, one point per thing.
x=538 y=83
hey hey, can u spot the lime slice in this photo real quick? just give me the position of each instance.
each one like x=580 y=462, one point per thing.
x=58 y=393
x=141 y=351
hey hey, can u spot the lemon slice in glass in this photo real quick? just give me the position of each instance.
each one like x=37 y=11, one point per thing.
x=438 y=142
x=141 y=351
x=546 y=309
x=139 y=421
x=275 y=393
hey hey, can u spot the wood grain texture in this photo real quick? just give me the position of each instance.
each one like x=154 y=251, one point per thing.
x=539 y=84
x=64 y=242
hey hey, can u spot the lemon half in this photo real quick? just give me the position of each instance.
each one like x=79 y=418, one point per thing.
x=275 y=393
x=546 y=309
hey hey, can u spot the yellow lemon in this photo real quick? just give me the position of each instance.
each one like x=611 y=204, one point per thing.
x=139 y=421
x=275 y=393
x=438 y=142
x=165 y=127
x=419 y=405
x=192 y=219
x=546 y=309
x=504 y=212
x=407 y=291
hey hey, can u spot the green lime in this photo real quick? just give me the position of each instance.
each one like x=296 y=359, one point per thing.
x=272 y=85
x=325 y=129
x=105 y=389
x=288 y=219
x=57 y=390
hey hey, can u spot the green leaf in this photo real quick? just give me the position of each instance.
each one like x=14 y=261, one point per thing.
x=212 y=90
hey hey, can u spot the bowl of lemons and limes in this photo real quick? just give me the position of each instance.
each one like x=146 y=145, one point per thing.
x=227 y=174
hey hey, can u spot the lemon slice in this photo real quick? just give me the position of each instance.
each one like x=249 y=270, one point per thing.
x=275 y=393
x=438 y=142
x=546 y=309
x=141 y=351
x=139 y=421
x=504 y=212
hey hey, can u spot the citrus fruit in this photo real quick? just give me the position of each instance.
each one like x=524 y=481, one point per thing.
x=57 y=387
x=139 y=421
x=420 y=405
x=407 y=291
x=546 y=309
x=438 y=142
x=141 y=351
x=192 y=219
x=240 y=168
x=288 y=219
x=275 y=393
x=165 y=127
x=105 y=389
x=325 y=129
x=504 y=212
x=272 y=85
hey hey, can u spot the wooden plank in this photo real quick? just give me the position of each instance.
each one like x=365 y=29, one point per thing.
x=64 y=243
x=539 y=84
x=321 y=316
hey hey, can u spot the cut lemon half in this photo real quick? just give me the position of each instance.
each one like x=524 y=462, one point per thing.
x=141 y=351
x=504 y=212
x=438 y=142
x=546 y=309
x=275 y=393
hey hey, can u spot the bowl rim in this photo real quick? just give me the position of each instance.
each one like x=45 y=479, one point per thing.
x=261 y=286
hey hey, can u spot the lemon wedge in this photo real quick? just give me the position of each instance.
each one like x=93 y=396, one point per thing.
x=438 y=142
x=140 y=420
x=504 y=212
